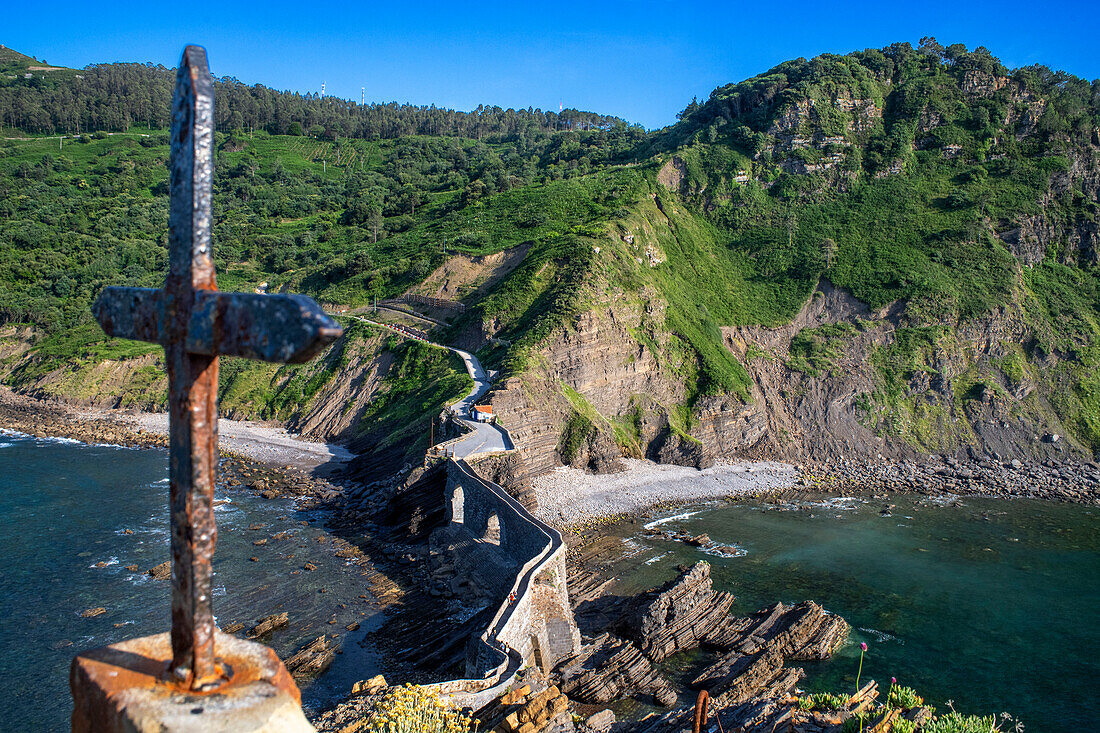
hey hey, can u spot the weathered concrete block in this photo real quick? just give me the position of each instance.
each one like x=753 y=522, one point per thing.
x=122 y=688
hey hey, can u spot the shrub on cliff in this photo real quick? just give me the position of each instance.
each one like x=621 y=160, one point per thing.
x=415 y=709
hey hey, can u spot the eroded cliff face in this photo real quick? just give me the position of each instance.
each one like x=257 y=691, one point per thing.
x=962 y=397
x=349 y=373
x=1074 y=241
x=632 y=394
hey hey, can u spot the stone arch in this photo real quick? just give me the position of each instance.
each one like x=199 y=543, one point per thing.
x=494 y=532
x=458 y=505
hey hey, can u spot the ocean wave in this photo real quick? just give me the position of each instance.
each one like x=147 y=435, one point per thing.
x=105 y=563
x=633 y=548
x=945 y=500
x=715 y=549
x=673 y=518
x=842 y=503
x=61 y=441
x=6 y=445
x=881 y=636
x=655 y=558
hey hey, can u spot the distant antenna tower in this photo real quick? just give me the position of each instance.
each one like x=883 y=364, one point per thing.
x=363 y=96
x=322 y=89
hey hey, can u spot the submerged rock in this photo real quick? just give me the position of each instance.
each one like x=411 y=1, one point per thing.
x=162 y=571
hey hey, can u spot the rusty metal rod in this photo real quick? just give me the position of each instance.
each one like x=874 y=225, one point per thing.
x=193 y=378
x=195 y=323
x=700 y=712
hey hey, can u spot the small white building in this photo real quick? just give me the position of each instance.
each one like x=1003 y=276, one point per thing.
x=483 y=413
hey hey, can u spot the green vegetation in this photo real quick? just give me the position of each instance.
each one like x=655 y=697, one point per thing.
x=71 y=349
x=905 y=175
x=420 y=382
x=575 y=435
x=823 y=701
x=958 y=723
x=814 y=351
x=903 y=697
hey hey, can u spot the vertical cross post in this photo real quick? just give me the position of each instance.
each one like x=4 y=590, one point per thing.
x=195 y=323
x=192 y=378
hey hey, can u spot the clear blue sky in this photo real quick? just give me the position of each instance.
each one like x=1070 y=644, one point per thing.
x=639 y=60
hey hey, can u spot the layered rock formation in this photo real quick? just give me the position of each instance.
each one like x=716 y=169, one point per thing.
x=677 y=616
x=687 y=613
x=534 y=707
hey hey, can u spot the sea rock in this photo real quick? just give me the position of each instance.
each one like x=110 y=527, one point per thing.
x=162 y=571
x=677 y=615
x=611 y=668
x=312 y=659
x=760 y=644
x=93 y=612
x=268 y=624
x=600 y=722
x=369 y=687
x=536 y=707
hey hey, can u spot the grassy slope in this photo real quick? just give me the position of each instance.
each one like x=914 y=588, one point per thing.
x=742 y=241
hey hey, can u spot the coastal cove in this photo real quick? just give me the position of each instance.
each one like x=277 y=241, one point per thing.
x=81 y=526
x=985 y=602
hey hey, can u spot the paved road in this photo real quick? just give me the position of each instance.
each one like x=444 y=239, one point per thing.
x=485 y=437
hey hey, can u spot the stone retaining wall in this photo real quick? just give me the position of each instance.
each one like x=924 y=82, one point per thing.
x=534 y=624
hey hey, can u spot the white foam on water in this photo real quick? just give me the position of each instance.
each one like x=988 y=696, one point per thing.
x=673 y=518
x=633 y=547
x=881 y=636
x=655 y=558
x=841 y=503
x=63 y=441
x=106 y=563
x=715 y=549
x=945 y=500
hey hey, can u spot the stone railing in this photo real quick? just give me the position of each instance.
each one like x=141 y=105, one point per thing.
x=502 y=649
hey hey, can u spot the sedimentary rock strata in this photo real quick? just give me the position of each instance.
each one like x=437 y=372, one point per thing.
x=676 y=616
x=536 y=707
x=610 y=668
x=687 y=613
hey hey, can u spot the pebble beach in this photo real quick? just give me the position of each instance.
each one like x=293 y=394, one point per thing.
x=569 y=496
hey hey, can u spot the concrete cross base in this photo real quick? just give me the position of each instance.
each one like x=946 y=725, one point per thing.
x=122 y=688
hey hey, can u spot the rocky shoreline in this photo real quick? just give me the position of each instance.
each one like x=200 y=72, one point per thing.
x=582 y=504
x=272 y=480
x=1068 y=481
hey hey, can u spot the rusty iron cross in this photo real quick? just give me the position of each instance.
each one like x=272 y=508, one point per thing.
x=195 y=323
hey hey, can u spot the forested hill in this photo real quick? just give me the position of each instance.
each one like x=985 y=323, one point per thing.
x=889 y=251
x=37 y=98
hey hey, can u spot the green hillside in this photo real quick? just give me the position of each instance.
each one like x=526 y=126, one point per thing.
x=930 y=182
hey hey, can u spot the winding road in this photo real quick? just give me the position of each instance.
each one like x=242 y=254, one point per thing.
x=485 y=437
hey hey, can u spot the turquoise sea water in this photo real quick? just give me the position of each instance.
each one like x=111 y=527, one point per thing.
x=66 y=507
x=991 y=604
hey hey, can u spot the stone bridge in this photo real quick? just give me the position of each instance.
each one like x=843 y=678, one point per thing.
x=510 y=555
x=507 y=555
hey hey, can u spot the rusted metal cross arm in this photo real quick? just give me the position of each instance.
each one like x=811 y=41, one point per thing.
x=280 y=328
